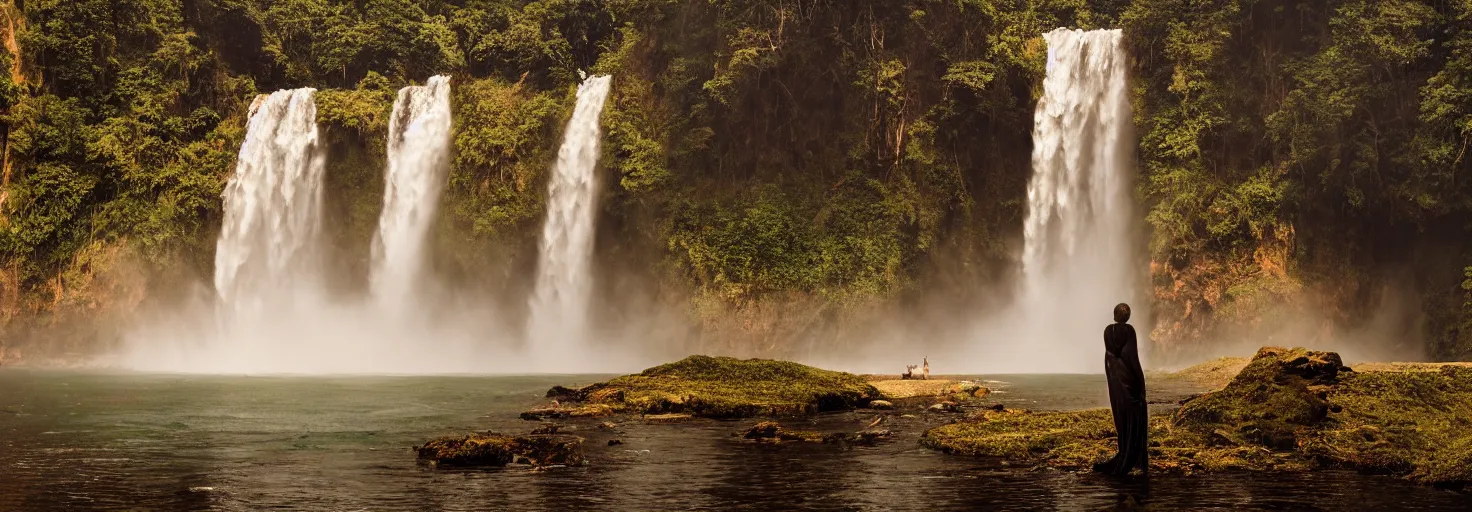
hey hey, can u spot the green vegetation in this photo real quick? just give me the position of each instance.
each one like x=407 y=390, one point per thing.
x=1288 y=410
x=780 y=169
x=724 y=387
x=1213 y=374
x=1300 y=158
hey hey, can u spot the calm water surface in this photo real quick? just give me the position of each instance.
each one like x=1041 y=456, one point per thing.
x=92 y=441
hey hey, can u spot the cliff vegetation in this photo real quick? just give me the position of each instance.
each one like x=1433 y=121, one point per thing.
x=776 y=172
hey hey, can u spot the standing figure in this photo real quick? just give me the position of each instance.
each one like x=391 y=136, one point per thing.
x=1126 y=395
x=925 y=372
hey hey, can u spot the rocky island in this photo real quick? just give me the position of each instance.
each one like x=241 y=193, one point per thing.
x=715 y=387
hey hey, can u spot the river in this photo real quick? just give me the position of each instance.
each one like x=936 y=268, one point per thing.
x=89 y=440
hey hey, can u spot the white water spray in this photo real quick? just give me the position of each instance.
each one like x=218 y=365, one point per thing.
x=268 y=250
x=559 y=305
x=418 y=161
x=274 y=315
x=1079 y=256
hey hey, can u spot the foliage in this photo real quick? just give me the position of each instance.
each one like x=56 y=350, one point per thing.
x=770 y=149
x=505 y=136
x=1265 y=129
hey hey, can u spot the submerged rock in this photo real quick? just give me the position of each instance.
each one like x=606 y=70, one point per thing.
x=492 y=449
x=1286 y=410
x=719 y=387
x=771 y=431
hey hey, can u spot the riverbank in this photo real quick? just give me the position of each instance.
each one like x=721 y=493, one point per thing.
x=1286 y=410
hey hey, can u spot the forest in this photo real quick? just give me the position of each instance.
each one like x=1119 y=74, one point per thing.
x=773 y=170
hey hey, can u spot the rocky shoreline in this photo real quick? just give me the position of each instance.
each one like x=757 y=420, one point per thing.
x=708 y=389
x=1285 y=410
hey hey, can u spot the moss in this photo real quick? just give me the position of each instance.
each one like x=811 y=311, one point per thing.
x=1214 y=374
x=725 y=387
x=559 y=411
x=1415 y=424
x=1060 y=439
x=1287 y=410
x=492 y=449
x=895 y=389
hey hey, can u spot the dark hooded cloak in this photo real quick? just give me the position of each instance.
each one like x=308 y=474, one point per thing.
x=1126 y=395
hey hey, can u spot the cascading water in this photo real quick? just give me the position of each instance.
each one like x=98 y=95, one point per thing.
x=268 y=249
x=559 y=305
x=418 y=159
x=1078 y=257
x=275 y=315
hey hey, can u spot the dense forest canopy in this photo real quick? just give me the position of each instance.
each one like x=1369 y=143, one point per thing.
x=773 y=168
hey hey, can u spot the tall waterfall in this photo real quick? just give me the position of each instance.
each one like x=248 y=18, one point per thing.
x=559 y=305
x=418 y=160
x=268 y=246
x=1078 y=257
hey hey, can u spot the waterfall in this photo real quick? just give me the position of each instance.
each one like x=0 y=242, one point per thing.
x=418 y=160
x=1078 y=257
x=268 y=249
x=559 y=304
x=274 y=314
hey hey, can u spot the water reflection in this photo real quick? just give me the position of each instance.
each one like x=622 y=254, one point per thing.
x=76 y=441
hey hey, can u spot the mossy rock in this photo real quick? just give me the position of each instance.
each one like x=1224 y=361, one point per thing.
x=775 y=432
x=490 y=449
x=559 y=412
x=771 y=431
x=1287 y=410
x=725 y=387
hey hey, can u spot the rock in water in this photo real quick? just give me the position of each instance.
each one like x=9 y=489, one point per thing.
x=881 y=405
x=492 y=449
x=945 y=407
x=773 y=431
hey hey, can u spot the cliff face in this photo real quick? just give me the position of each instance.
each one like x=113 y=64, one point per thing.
x=778 y=175
x=1301 y=170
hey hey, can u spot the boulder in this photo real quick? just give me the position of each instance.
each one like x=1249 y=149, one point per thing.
x=946 y=406
x=881 y=405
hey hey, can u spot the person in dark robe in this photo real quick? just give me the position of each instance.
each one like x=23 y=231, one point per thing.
x=1126 y=395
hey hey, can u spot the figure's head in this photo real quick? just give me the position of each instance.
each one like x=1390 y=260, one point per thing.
x=1122 y=313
